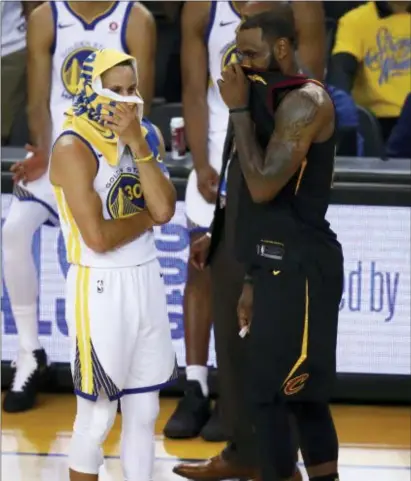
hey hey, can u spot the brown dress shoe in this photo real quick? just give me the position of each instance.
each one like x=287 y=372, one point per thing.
x=214 y=469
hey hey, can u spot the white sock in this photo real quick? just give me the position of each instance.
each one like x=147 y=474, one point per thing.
x=199 y=374
x=26 y=322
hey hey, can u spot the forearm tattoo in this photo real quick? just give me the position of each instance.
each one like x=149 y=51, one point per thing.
x=295 y=114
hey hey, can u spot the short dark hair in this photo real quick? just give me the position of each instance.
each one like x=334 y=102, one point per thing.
x=274 y=24
x=125 y=63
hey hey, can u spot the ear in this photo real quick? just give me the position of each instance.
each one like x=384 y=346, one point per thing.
x=280 y=48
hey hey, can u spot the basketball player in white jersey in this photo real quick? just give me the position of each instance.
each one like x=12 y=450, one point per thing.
x=60 y=36
x=110 y=195
x=208 y=46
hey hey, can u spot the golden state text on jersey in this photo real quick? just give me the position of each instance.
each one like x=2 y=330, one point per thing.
x=125 y=195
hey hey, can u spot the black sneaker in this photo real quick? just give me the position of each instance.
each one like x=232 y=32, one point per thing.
x=213 y=431
x=30 y=370
x=191 y=414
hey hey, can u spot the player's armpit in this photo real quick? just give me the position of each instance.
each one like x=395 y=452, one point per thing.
x=40 y=36
x=73 y=169
x=141 y=39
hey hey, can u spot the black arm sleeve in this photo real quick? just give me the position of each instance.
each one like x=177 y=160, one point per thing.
x=342 y=71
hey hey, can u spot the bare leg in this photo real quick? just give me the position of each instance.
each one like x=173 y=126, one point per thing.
x=197 y=314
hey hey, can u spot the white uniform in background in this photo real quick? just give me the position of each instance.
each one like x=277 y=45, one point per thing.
x=116 y=307
x=74 y=40
x=13 y=28
x=221 y=34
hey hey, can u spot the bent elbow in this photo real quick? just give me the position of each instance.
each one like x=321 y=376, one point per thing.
x=96 y=242
x=164 y=215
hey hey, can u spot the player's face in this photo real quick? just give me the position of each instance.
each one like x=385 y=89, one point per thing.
x=121 y=80
x=254 y=52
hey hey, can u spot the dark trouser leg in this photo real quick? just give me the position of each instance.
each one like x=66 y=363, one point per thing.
x=318 y=438
x=226 y=282
x=275 y=441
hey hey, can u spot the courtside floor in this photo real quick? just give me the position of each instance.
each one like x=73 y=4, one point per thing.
x=375 y=442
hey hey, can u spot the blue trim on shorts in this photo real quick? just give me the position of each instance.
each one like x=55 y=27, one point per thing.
x=125 y=392
x=94 y=397
x=141 y=390
x=53 y=223
x=89 y=397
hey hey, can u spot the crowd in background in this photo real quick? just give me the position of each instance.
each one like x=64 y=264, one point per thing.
x=366 y=67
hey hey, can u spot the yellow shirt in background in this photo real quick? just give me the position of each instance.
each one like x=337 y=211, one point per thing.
x=382 y=45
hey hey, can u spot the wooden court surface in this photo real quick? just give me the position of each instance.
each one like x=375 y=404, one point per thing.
x=375 y=443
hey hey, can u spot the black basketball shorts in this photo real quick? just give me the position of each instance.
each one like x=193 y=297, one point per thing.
x=293 y=335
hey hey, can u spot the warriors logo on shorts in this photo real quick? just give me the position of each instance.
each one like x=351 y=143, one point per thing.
x=70 y=71
x=125 y=197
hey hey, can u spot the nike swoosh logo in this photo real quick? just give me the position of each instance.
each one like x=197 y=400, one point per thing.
x=61 y=25
x=276 y=273
x=224 y=24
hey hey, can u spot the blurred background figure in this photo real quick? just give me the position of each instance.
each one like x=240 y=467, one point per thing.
x=60 y=36
x=399 y=143
x=14 y=17
x=371 y=59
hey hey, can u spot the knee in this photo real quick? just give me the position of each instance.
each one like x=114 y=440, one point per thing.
x=97 y=425
x=14 y=237
x=140 y=410
x=90 y=429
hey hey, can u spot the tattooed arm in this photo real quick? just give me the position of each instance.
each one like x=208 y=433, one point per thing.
x=304 y=116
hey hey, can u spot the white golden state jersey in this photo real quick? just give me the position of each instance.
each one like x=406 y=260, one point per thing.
x=121 y=195
x=220 y=37
x=74 y=41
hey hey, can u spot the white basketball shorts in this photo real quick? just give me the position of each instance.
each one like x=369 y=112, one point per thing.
x=39 y=191
x=120 y=332
x=199 y=212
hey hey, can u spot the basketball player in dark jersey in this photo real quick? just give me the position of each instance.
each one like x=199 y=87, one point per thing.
x=283 y=157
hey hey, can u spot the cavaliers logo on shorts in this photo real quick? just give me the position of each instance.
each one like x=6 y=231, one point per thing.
x=295 y=385
x=125 y=197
